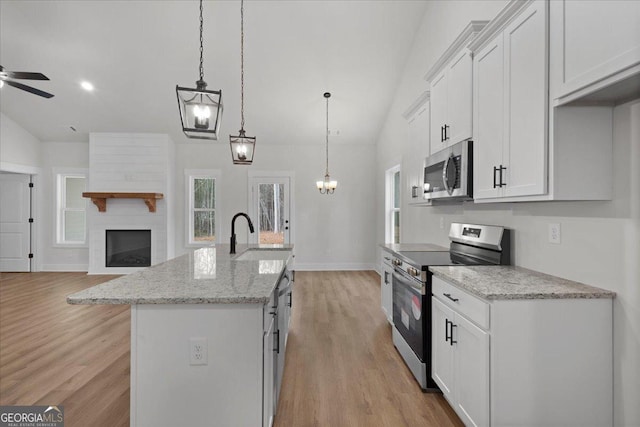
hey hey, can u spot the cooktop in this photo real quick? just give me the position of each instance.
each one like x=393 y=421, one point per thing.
x=422 y=260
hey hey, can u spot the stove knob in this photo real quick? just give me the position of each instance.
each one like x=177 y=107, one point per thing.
x=412 y=271
x=396 y=262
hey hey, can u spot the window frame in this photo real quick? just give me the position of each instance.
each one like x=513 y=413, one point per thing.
x=390 y=209
x=190 y=176
x=60 y=192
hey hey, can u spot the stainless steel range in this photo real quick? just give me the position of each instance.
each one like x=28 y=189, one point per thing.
x=470 y=245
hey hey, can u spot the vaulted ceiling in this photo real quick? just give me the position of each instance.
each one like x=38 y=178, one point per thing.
x=136 y=52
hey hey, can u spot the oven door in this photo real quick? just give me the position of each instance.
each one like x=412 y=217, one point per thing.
x=408 y=313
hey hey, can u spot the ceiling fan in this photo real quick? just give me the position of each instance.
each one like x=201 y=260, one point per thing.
x=8 y=77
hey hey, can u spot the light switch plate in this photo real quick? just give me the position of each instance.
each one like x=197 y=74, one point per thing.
x=555 y=233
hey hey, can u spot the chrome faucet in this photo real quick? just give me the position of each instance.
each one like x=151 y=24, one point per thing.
x=233 y=230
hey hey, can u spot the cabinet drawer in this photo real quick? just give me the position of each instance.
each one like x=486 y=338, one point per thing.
x=461 y=301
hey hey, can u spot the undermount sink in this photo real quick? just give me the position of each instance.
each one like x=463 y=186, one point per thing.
x=263 y=254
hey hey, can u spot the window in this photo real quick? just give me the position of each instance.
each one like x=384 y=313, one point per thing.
x=392 y=208
x=71 y=209
x=201 y=214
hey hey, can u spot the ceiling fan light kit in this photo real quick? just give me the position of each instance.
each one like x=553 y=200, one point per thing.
x=200 y=109
x=8 y=77
x=242 y=146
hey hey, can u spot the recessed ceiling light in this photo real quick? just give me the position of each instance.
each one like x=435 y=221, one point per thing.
x=87 y=86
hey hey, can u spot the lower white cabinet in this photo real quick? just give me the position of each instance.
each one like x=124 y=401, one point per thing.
x=386 y=290
x=523 y=362
x=460 y=364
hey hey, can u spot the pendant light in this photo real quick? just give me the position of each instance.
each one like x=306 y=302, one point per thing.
x=242 y=146
x=327 y=186
x=200 y=109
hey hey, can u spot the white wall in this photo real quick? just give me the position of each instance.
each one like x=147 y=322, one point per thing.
x=331 y=231
x=59 y=155
x=600 y=240
x=17 y=146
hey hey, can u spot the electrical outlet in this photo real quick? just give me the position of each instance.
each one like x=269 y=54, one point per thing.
x=554 y=233
x=197 y=351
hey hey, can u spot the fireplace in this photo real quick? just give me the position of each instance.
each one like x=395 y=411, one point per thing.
x=128 y=248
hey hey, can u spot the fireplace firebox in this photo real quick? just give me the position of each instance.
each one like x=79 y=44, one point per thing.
x=128 y=248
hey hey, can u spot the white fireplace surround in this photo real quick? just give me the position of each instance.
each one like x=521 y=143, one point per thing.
x=131 y=163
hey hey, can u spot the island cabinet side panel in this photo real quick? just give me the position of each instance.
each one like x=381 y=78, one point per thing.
x=552 y=362
x=168 y=391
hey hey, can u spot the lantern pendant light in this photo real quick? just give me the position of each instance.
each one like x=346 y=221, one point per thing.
x=327 y=186
x=242 y=146
x=200 y=109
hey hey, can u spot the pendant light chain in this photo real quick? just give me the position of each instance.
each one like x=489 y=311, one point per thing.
x=327 y=137
x=201 y=42
x=242 y=65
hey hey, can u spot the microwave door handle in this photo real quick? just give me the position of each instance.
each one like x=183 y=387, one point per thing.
x=444 y=175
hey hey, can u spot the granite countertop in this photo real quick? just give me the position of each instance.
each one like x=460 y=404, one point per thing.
x=412 y=247
x=510 y=282
x=204 y=276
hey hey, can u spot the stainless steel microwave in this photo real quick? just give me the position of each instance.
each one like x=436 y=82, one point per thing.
x=448 y=174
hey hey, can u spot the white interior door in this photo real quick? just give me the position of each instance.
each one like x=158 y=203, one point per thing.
x=15 y=237
x=270 y=209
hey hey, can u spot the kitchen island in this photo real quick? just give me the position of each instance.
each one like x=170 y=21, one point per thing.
x=208 y=334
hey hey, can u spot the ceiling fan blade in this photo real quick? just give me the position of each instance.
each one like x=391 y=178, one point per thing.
x=24 y=75
x=30 y=89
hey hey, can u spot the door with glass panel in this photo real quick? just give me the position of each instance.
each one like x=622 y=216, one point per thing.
x=270 y=207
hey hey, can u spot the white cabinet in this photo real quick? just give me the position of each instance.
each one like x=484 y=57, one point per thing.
x=460 y=355
x=514 y=362
x=595 y=47
x=510 y=108
x=416 y=149
x=450 y=83
x=386 y=290
x=268 y=370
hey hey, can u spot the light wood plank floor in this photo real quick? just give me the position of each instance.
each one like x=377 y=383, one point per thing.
x=342 y=368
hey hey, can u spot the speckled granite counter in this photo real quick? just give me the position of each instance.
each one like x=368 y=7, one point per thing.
x=411 y=247
x=509 y=282
x=204 y=276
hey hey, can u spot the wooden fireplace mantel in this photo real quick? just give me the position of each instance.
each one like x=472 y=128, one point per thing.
x=100 y=199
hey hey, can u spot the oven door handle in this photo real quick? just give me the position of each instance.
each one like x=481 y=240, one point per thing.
x=410 y=283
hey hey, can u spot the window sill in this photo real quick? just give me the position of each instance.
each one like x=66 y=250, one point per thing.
x=71 y=245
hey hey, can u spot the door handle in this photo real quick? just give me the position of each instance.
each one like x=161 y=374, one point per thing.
x=446 y=330
x=452 y=342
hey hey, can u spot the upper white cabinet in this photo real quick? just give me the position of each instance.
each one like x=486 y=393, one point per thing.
x=450 y=81
x=595 y=50
x=416 y=148
x=525 y=148
x=510 y=107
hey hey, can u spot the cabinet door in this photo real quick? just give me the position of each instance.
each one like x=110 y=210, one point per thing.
x=592 y=40
x=488 y=125
x=442 y=350
x=471 y=365
x=387 y=292
x=459 y=99
x=438 y=97
x=417 y=149
x=525 y=155
x=268 y=396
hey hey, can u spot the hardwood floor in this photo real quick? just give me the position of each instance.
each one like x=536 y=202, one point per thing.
x=53 y=353
x=342 y=368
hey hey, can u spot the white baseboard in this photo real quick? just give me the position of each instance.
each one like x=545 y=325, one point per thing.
x=333 y=266
x=64 y=267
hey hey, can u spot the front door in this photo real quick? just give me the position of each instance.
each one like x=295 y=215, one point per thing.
x=15 y=233
x=270 y=206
